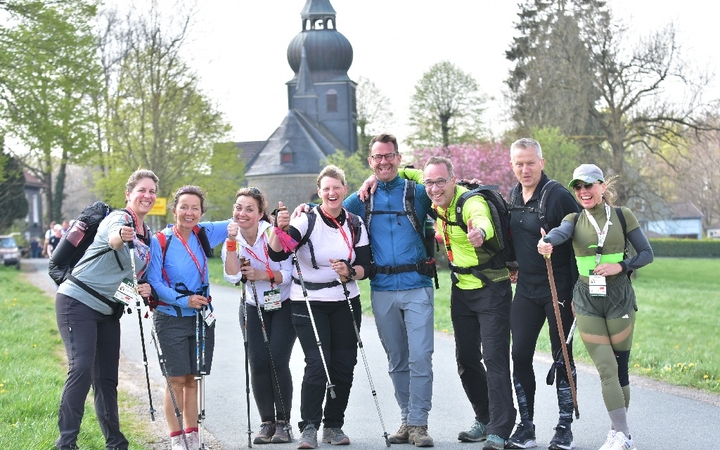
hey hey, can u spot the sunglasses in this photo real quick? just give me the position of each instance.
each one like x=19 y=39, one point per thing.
x=587 y=186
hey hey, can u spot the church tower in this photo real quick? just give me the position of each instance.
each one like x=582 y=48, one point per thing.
x=321 y=118
x=320 y=57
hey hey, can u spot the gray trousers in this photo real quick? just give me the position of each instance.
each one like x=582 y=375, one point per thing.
x=405 y=323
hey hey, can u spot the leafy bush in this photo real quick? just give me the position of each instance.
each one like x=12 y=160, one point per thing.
x=686 y=248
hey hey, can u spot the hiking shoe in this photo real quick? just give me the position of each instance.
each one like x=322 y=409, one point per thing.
x=308 y=438
x=523 y=437
x=609 y=441
x=283 y=433
x=621 y=442
x=494 y=442
x=563 y=439
x=401 y=437
x=476 y=433
x=264 y=436
x=335 y=436
x=419 y=436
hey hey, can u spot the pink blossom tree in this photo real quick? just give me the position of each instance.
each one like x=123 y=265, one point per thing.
x=488 y=162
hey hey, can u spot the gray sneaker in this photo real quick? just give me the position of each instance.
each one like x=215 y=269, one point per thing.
x=401 y=437
x=335 y=436
x=476 y=433
x=494 y=442
x=419 y=436
x=308 y=438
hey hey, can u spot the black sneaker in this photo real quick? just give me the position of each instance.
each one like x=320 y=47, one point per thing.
x=523 y=437
x=563 y=439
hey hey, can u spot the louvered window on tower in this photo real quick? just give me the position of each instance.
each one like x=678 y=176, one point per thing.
x=331 y=100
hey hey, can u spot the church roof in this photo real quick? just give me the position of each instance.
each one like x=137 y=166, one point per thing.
x=317 y=8
x=309 y=143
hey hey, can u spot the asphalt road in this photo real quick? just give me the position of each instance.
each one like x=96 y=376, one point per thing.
x=660 y=416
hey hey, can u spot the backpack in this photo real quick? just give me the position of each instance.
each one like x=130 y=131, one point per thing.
x=355 y=227
x=164 y=240
x=425 y=228
x=71 y=249
x=500 y=246
x=541 y=209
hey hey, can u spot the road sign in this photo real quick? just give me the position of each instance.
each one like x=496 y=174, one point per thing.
x=160 y=208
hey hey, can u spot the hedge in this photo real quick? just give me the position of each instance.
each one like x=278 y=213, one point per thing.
x=686 y=248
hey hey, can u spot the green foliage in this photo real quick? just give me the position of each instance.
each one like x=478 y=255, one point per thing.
x=50 y=75
x=561 y=154
x=13 y=203
x=446 y=108
x=224 y=179
x=355 y=166
x=374 y=115
x=686 y=248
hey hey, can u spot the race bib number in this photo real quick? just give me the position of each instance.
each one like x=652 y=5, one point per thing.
x=272 y=300
x=597 y=285
x=126 y=293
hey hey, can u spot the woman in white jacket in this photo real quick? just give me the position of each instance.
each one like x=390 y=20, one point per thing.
x=267 y=294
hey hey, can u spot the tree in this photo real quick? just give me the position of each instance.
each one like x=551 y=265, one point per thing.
x=562 y=155
x=373 y=112
x=355 y=166
x=632 y=109
x=49 y=76
x=488 y=162
x=13 y=203
x=157 y=117
x=552 y=81
x=446 y=108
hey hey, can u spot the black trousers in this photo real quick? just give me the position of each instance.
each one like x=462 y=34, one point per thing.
x=92 y=344
x=272 y=403
x=481 y=322
x=526 y=321
x=339 y=344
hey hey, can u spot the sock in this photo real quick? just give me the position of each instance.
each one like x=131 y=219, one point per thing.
x=619 y=420
x=191 y=430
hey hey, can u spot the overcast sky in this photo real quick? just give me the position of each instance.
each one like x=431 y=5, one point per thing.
x=239 y=48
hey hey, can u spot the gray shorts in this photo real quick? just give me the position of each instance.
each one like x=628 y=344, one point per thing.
x=176 y=336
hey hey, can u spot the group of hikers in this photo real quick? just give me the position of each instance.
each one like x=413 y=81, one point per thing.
x=299 y=271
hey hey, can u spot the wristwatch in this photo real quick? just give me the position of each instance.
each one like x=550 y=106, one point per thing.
x=482 y=232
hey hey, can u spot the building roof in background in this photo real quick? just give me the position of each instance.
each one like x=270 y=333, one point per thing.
x=685 y=210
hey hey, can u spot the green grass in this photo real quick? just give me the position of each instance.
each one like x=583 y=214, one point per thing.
x=677 y=323
x=32 y=374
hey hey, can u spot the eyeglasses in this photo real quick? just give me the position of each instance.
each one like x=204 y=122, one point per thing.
x=587 y=186
x=389 y=157
x=440 y=183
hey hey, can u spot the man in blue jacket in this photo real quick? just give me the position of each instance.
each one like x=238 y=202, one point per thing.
x=402 y=294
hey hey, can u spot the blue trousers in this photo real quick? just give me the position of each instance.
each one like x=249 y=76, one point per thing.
x=405 y=323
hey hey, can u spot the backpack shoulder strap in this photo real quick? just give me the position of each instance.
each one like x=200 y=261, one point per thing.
x=164 y=241
x=542 y=203
x=356 y=227
x=621 y=218
x=459 y=207
x=410 y=211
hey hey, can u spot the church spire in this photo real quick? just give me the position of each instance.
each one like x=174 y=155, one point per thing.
x=318 y=15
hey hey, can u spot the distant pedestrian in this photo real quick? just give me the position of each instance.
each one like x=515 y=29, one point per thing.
x=603 y=297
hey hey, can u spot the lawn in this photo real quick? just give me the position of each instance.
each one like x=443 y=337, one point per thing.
x=32 y=374
x=677 y=322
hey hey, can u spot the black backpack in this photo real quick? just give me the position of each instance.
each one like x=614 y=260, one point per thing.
x=500 y=247
x=72 y=246
x=541 y=210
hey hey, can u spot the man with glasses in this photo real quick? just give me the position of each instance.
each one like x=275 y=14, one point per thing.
x=480 y=312
x=533 y=303
x=401 y=290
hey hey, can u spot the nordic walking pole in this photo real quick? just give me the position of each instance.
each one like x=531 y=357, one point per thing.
x=131 y=246
x=267 y=345
x=200 y=378
x=243 y=326
x=330 y=386
x=561 y=331
x=163 y=369
x=362 y=352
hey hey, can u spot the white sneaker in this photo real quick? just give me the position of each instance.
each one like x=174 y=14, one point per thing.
x=621 y=442
x=178 y=443
x=193 y=440
x=609 y=441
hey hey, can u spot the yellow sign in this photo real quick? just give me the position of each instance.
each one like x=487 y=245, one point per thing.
x=160 y=208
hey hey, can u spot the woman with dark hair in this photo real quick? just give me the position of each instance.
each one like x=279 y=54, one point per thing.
x=270 y=333
x=88 y=313
x=333 y=253
x=603 y=297
x=179 y=275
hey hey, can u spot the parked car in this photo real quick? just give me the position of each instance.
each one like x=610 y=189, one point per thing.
x=9 y=251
